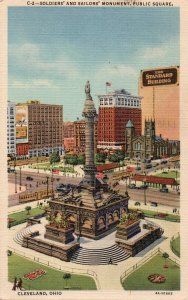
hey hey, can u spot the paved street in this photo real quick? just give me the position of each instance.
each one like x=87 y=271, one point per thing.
x=39 y=183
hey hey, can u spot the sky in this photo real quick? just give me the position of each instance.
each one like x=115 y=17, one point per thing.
x=54 y=51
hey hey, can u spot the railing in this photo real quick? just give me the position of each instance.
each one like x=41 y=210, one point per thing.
x=143 y=261
x=177 y=235
x=58 y=267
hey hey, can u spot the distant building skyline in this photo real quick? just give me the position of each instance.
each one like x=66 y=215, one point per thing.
x=53 y=51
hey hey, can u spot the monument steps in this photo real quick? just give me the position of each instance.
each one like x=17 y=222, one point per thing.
x=18 y=238
x=86 y=256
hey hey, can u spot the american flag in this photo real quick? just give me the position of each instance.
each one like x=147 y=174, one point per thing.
x=108 y=84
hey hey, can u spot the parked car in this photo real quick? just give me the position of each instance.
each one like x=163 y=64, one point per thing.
x=9 y=170
x=163 y=162
x=137 y=203
x=132 y=186
x=29 y=178
x=164 y=190
x=154 y=204
x=142 y=187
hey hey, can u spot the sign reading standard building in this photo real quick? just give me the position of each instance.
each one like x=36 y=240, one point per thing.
x=159 y=77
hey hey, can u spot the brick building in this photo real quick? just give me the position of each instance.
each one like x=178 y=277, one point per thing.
x=40 y=126
x=68 y=136
x=79 y=135
x=115 y=110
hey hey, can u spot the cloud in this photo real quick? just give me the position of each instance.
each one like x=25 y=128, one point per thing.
x=115 y=72
x=36 y=83
x=32 y=58
x=167 y=50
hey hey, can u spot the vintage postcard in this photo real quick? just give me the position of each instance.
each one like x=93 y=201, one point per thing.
x=93 y=149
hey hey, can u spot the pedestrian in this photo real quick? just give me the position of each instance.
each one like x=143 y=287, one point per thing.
x=19 y=284
x=14 y=285
x=110 y=261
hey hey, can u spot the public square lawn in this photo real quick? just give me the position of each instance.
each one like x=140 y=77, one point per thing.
x=169 y=174
x=22 y=215
x=52 y=280
x=176 y=246
x=139 y=279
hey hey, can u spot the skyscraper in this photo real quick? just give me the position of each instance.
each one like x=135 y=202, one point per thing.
x=159 y=89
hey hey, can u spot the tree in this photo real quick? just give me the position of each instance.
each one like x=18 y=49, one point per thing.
x=28 y=208
x=100 y=157
x=71 y=159
x=81 y=160
x=114 y=157
x=165 y=256
x=121 y=154
x=66 y=276
x=54 y=158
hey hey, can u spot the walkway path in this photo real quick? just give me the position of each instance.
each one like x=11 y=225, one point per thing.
x=108 y=275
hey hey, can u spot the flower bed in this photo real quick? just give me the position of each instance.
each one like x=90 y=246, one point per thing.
x=156 y=278
x=35 y=274
x=162 y=215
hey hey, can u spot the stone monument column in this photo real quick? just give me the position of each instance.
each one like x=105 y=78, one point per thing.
x=89 y=113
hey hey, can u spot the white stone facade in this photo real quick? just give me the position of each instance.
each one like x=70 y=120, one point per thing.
x=11 y=128
x=119 y=99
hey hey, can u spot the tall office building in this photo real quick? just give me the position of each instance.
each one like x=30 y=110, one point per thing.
x=39 y=128
x=159 y=89
x=115 y=110
x=80 y=135
x=11 y=131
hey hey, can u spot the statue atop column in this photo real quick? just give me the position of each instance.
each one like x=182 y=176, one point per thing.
x=87 y=90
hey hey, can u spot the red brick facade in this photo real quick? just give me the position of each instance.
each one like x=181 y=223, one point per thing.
x=112 y=122
x=22 y=149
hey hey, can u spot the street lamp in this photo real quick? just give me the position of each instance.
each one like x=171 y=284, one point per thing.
x=52 y=181
x=20 y=178
x=15 y=174
x=15 y=182
x=47 y=178
x=37 y=163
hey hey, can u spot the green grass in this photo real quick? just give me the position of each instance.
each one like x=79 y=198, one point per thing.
x=152 y=213
x=52 y=280
x=22 y=215
x=175 y=246
x=139 y=279
x=170 y=174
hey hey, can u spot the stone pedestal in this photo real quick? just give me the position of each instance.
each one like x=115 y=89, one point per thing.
x=136 y=244
x=62 y=235
x=125 y=232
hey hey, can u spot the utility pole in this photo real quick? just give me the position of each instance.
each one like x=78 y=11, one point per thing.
x=145 y=203
x=20 y=178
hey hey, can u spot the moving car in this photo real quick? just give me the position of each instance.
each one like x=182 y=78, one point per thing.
x=148 y=166
x=132 y=186
x=154 y=204
x=29 y=178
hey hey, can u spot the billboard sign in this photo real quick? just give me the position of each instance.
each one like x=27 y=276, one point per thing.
x=21 y=124
x=156 y=77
